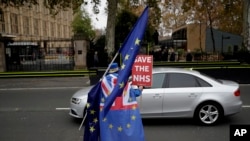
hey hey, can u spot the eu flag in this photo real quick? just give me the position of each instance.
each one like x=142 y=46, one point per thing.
x=129 y=127
x=92 y=127
x=129 y=50
x=119 y=117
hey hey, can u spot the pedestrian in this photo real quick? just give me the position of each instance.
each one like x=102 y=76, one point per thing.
x=164 y=55
x=189 y=56
x=96 y=59
x=123 y=121
x=172 y=56
x=156 y=36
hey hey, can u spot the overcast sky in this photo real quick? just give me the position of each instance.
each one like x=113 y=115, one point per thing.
x=99 y=21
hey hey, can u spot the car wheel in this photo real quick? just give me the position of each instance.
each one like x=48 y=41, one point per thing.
x=208 y=113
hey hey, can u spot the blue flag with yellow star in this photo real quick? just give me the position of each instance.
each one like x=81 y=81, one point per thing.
x=129 y=50
x=115 y=126
x=92 y=127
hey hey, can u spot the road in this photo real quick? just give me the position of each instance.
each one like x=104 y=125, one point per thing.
x=37 y=109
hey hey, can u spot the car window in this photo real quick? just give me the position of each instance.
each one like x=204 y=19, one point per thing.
x=158 y=80
x=203 y=83
x=177 y=80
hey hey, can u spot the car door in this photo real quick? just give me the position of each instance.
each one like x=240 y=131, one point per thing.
x=150 y=102
x=181 y=94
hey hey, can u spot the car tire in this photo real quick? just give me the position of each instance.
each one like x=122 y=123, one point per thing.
x=209 y=113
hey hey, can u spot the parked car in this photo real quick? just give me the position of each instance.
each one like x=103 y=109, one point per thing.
x=179 y=93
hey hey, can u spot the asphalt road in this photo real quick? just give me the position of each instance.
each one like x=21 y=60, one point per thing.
x=36 y=109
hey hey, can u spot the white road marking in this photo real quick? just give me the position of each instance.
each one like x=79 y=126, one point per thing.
x=61 y=109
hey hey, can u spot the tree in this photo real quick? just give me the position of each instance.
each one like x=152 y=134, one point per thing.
x=223 y=17
x=137 y=6
x=173 y=15
x=246 y=24
x=81 y=25
x=110 y=29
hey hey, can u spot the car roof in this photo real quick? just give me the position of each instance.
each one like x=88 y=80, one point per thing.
x=171 y=69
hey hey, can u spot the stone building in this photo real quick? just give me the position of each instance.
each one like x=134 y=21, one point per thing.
x=32 y=31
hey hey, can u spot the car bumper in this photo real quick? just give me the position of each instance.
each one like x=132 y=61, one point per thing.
x=233 y=108
x=76 y=110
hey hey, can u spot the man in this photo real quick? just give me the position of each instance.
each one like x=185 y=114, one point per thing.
x=123 y=121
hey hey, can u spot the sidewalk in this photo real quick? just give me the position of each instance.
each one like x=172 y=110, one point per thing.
x=76 y=73
x=43 y=82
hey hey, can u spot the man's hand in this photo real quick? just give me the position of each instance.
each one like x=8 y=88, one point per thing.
x=140 y=88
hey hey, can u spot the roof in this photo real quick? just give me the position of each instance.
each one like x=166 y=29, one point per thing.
x=172 y=69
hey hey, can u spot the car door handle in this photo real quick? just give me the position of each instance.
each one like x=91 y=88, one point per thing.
x=156 y=96
x=192 y=95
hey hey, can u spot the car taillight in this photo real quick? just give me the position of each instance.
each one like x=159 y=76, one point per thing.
x=237 y=92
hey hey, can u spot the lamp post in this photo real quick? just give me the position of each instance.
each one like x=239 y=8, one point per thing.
x=222 y=39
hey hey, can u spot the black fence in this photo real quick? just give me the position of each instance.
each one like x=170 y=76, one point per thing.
x=40 y=55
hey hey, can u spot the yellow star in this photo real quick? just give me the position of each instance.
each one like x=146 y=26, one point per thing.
x=119 y=128
x=103 y=100
x=105 y=119
x=92 y=129
x=128 y=125
x=110 y=126
x=95 y=120
x=137 y=41
x=133 y=117
x=123 y=66
x=92 y=112
x=127 y=57
x=88 y=105
x=121 y=85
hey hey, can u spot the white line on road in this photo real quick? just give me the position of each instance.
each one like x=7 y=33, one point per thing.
x=62 y=109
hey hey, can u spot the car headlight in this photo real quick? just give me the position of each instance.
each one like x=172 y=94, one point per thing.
x=76 y=100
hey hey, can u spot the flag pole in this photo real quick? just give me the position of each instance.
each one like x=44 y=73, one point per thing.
x=110 y=64
x=100 y=80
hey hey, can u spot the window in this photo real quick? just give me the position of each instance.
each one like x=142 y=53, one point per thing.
x=177 y=80
x=203 y=83
x=26 y=25
x=52 y=29
x=45 y=28
x=14 y=23
x=2 y=25
x=59 y=30
x=36 y=27
x=158 y=80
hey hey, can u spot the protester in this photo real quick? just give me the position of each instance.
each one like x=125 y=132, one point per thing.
x=123 y=121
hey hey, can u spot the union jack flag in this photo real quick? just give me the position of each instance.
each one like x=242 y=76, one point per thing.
x=125 y=101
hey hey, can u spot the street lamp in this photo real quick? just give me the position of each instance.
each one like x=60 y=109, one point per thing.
x=222 y=38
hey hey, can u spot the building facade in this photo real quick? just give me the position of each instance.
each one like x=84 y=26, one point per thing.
x=35 y=23
x=32 y=37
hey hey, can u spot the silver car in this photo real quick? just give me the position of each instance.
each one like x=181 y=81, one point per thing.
x=179 y=93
